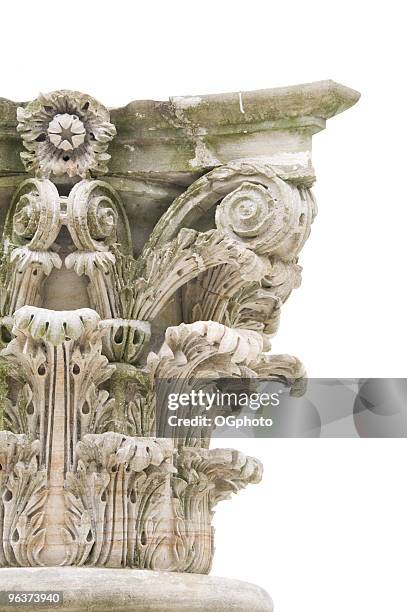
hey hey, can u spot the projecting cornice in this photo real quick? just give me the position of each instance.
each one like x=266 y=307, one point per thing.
x=178 y=139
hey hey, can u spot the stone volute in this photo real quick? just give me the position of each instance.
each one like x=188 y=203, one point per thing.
x=154 y=241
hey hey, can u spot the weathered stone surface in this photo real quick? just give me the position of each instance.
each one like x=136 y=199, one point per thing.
x=178 y=135
x=174 y=266
x=102 y=590
x=162 y=147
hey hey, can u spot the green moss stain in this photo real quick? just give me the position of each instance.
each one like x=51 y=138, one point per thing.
x=4 y=373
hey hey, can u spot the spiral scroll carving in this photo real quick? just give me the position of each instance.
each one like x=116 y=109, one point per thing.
x=272 y=219
x=93 y=213
x=34 y=218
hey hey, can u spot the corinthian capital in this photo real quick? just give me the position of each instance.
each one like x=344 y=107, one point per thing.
x=173 y=267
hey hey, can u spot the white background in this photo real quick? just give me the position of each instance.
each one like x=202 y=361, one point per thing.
x=326 y=531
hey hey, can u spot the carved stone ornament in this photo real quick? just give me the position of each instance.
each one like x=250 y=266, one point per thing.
x=174 y=266
x=65 y=132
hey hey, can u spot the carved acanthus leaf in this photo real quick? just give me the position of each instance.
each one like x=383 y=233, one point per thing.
x=166 y=269
x=286 y=368
x=23 y=493
x=222 y=295
x=115 y=500
x=69 y=343
x=223 y=470
x=205 y=477
x=85 y=262
x=54 y=326
x=201 y=348
x=125 y=339
x=196 y=351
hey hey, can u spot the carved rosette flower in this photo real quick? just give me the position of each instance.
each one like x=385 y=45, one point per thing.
x=65 y=132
